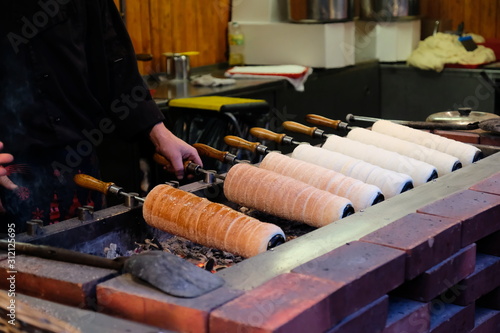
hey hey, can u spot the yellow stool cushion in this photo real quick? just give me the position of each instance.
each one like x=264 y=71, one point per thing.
x=220 y=104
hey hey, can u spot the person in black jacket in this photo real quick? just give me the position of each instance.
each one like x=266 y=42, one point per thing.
x=69 y=79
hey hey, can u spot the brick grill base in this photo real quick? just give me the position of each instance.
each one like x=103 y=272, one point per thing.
x=423 y=272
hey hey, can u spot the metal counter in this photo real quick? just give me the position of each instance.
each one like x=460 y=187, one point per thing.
x=164 y=90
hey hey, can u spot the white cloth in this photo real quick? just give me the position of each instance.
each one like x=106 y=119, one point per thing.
x=210 y=81
x=295 y=74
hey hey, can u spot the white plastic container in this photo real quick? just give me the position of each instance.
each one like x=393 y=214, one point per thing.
x=328 y=45
x=386 y=41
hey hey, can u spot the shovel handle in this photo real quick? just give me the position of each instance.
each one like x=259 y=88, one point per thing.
x=92 y=183
x=237 y=142
x=266 y=134
x=60 y=254
x=322 y=121
x=299 y=128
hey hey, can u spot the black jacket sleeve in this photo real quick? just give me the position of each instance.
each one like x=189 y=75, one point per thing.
x=119 y=85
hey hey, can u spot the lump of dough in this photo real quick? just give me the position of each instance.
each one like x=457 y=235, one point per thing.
x=419 y=171
x=361 y=194
x=436 y=51
x=466 y=153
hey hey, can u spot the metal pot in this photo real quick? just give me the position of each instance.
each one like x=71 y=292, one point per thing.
x=178 y=65
x=389 y=10
x=462 y=116
x=319 y=11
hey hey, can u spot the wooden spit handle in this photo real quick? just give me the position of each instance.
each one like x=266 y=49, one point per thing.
x=266 y=134
x=299 y=128
x=161 y=160
x=237 y=142
x=322 y=121
x=166 y=163
x=92 y=183
x=211 y=152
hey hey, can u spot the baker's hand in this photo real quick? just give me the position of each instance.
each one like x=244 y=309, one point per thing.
x=4 y=158
x=4 y=180
x=173 y=149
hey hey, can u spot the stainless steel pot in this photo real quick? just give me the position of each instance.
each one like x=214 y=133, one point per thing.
x=178 y=66
x=319 y=11
x=389 y=10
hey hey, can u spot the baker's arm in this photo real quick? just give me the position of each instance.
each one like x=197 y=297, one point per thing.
x=127 y=98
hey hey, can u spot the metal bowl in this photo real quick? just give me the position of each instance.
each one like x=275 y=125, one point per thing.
x=389 y=10
x=319 y=11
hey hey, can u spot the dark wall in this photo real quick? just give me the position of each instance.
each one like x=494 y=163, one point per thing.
x=413 y=94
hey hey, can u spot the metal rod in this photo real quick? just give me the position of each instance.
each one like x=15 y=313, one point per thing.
x=418 y=124
x=351 y=118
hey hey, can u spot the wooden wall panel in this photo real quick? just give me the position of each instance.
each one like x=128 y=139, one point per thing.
x=185 y=26
x=479 y=16
x=145 y=28
x=159 y=26
x=134 y=21
x=221 y=14
x=454 y=10
x=430 y=7
x=154 y=20
x=214 y=18
x=471 y=25
x=497 y=19
x=487 y=17
x=206 y=23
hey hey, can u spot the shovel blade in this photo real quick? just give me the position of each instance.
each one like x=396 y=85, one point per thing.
x=172 y=274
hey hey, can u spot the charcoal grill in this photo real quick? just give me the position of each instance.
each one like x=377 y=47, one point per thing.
x=124 y=225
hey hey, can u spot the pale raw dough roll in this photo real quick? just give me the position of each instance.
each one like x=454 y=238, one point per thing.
x=283 y=196
x=444 y=163
x=419 y=171
x=390 y=182
x=207 y=223
x=467 y=154
x=361 y=194
x=440 y=49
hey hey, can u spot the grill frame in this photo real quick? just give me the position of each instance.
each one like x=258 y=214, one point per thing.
x=254 y=271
